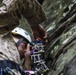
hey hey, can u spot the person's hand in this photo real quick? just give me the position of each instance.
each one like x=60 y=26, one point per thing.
x=27 y=52
x=24 y=50
x=39 y=32
x=27 y=57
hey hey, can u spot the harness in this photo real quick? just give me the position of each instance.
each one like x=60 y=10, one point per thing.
x=6 y=67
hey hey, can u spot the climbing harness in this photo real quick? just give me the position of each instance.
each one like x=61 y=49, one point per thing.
x=7 y=66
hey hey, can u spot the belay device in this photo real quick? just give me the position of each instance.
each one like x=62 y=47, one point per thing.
x=39 y=64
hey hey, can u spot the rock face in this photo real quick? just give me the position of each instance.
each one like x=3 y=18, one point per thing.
x=61 y=29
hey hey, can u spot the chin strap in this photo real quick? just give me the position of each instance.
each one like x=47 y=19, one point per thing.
x=20 y=40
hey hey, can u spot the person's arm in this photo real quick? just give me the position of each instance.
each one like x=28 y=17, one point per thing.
x=35 y=15
x=27 y=63
x=30 y=9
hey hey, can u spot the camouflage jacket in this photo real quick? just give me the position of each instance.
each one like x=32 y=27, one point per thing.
x=11 y=11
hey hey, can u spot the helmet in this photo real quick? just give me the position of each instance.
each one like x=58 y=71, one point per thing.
x=22 y=33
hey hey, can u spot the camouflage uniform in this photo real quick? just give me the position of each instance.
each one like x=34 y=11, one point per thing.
x=10 y=13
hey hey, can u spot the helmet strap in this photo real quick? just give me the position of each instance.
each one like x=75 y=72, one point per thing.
x=19 y=42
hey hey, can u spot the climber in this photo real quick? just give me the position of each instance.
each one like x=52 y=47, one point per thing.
x=10 y=14
x=22 y=40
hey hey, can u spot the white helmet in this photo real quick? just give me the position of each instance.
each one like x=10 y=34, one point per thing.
x=22 y=32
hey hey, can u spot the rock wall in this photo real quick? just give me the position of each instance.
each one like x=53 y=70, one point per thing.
x=61 y=29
